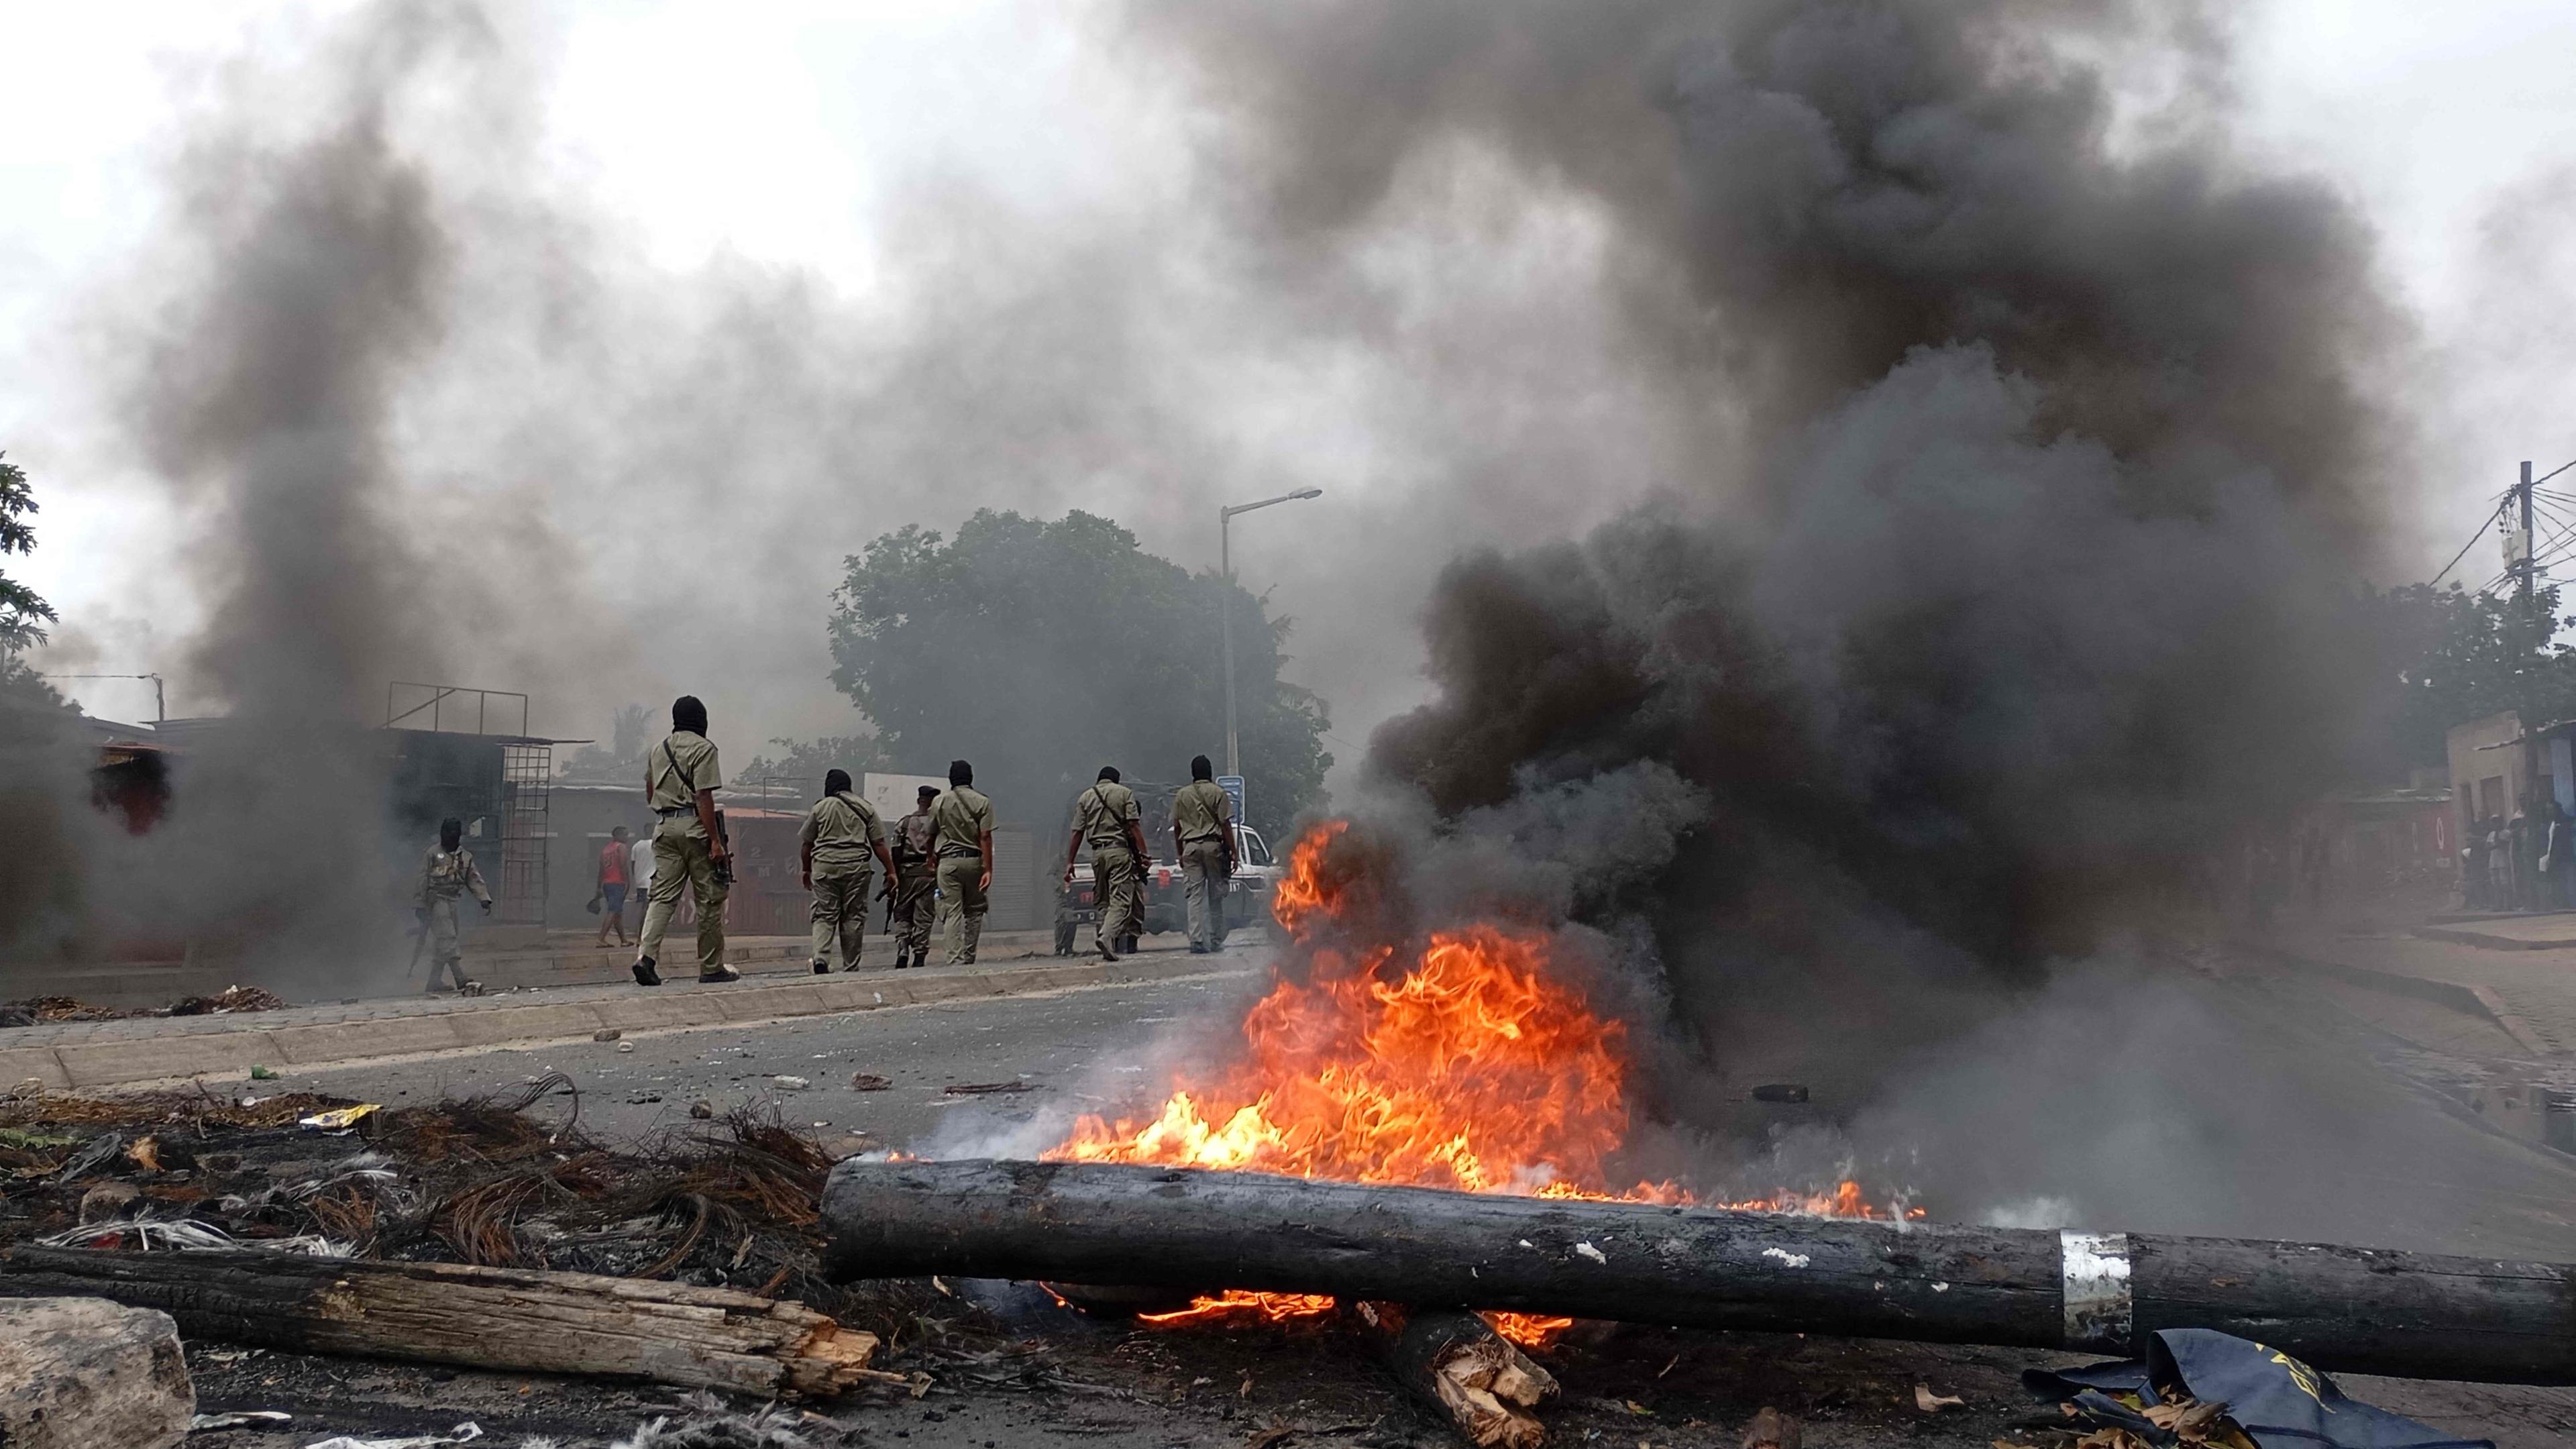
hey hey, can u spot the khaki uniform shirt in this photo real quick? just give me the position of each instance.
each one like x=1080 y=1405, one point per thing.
x=912 y=839
x=840 y=828
x=666 y=788
x=1202 y=811
x=959 y=818
x=447 y=874
x=1104 y=812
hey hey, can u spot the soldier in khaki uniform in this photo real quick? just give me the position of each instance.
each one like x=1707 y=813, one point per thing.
x=911 y=892
x=1106 y=818
x=961 y=827
x=681 y=776
x=448 y=872
x=832 y=858
x=1203 y=833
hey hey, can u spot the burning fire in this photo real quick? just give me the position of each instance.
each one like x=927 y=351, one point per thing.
x=1463 y=1066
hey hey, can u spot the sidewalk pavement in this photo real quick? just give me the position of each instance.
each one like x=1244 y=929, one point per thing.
x=2527 y=987
x=91 y=1055
x=574 y=958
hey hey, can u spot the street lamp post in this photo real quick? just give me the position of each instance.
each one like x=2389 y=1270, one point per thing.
x=1225 y=606
x=160 y=702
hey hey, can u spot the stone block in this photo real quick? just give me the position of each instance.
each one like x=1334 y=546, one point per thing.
x=84 y=1373
x=493 y=1025
x=343 y=1041
x=654 y=1011
x=19 y=1063
x=110 y=1063
x=760 y=1003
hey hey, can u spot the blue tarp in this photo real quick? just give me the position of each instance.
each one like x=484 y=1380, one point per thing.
x=2280 y=1402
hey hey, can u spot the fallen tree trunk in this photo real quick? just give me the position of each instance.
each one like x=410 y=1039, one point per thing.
x=2352 y=1309
x=1455 y=1362
x=489 y=1318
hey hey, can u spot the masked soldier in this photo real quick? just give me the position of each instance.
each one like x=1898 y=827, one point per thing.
x=1203 y=834
x=447 y=873
x=961 y=827
x=689 y=854
x=911 y=893
x=833 y=848
x=1106 y=818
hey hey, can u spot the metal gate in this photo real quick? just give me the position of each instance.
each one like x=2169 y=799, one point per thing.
x=525 y=769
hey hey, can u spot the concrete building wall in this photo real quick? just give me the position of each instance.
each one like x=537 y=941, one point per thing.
x=2487 y=775
x=578 y=819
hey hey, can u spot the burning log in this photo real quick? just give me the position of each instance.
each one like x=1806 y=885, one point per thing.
x=1456 y=1362
x=2351 y=1309
x=489 y=1318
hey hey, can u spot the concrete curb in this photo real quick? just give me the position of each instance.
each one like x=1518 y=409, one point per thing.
x=2461 y=936
x=2459 y=996
x=229 y=1055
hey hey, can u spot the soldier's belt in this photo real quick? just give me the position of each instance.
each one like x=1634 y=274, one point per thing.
x=667 y=811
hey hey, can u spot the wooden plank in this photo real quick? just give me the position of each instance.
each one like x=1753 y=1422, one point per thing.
x=495 y=1318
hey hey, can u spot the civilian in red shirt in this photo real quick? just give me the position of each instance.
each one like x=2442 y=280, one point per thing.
x=612 y=888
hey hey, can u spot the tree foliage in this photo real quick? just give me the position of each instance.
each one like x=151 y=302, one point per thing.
x=2450 y=656
x=1042 y=650
x=22 y=614
x=799 y=767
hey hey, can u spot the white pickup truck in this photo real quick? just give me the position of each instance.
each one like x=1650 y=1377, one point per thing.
x=1247 y=898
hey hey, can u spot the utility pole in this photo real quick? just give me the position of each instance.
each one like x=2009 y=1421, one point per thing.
x=2528 y=655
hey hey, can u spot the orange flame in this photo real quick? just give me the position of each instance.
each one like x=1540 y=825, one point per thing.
x=1469 y=1068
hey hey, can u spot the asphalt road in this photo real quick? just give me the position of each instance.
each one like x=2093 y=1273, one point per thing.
x=2387 y=1162
x=1066 y=1051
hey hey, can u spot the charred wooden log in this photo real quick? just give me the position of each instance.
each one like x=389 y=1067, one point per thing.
x=491 y=1318
x=1457 y=1364
x=2353 y=1309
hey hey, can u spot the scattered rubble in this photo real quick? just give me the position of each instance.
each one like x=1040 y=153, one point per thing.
x=47 y=1010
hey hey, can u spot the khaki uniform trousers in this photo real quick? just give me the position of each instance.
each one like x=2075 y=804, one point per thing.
x=909 y=914
x=1204 y=879
x=446 y=957
x=681 y=863
x=962 y=905
x=1115 y=888
x=841 y=912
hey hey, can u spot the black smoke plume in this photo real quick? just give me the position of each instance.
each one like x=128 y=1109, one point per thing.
x=306 y=270
x=2041 y=437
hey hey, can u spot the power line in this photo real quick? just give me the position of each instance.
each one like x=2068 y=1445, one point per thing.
x=2472 y=543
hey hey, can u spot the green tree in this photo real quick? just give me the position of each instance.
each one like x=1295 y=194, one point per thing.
x=799 y=767
x=623 y=756
x=1042 y=650
x=22 y=614
x=2450 y=656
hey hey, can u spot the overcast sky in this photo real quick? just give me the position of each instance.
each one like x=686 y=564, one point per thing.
x=784 y=140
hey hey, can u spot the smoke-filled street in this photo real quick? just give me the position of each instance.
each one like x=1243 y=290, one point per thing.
x=1750 y=723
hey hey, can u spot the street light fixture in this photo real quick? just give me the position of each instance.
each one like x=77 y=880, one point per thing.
x=1225 y=605
x=160 y=702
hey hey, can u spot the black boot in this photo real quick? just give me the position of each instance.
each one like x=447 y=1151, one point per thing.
x=822 y=967
x=644 y=972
